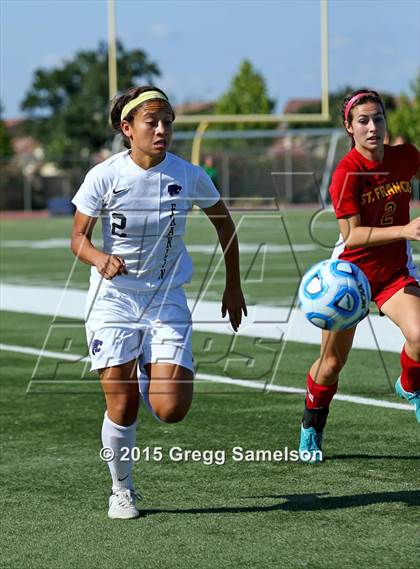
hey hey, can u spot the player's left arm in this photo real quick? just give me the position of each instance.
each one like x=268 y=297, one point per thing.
x=233 y=299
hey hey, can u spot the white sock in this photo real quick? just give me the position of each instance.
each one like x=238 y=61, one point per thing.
x=116 y=437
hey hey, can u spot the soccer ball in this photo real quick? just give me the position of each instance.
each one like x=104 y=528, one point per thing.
x=334 y=295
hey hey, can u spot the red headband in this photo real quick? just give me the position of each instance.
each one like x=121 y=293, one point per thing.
x=352 y=101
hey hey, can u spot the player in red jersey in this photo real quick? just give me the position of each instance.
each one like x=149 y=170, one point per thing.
x=370 y=192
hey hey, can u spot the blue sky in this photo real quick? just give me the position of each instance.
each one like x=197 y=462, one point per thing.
x=199 y=44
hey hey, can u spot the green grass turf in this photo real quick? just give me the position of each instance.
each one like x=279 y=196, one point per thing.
x=264 y=274
x=268 y=277
x=359 y=508
x=352 y=510
x=365 y=374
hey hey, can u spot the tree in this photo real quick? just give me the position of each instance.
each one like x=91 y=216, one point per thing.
x=70 y=103
x=6 y=149
x=247 y=94
x=335 y=103
x=404 y=121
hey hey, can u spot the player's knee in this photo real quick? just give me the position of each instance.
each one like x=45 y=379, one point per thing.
x=332 y=365
x=172 y=412
x=123 y=410
x=413 y=339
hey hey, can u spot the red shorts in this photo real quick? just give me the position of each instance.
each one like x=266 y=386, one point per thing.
x=383 y=291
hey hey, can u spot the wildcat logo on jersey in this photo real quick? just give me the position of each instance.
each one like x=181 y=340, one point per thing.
x=96 y=346
x=174 y=189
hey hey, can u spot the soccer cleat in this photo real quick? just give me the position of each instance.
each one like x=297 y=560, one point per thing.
x=310 y=445
x=411 y=397
x=122 y=505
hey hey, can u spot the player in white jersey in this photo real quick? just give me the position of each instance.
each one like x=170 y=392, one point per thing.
x=138 y=323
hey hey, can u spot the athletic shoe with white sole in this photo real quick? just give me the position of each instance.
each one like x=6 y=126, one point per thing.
x=411 y=397
x=122 y=504
x=310 y=445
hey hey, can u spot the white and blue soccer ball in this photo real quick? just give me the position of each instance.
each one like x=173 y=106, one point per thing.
x=334 y=295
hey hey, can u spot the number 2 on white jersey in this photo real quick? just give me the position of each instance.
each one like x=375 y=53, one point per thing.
x=121 y=225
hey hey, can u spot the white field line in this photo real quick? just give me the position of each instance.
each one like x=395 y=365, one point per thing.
x=210 y=378
x=64 y=243
x=284 y=389
x=263 y=321
x=42 y=353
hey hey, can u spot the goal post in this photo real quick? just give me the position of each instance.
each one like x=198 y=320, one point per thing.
x=204 y=120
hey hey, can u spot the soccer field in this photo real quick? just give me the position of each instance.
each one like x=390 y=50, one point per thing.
x=357 y=509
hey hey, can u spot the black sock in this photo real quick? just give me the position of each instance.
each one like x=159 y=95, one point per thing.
x=315 y=418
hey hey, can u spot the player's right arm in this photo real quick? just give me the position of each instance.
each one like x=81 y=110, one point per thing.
x=81 y=245
x=355 y=235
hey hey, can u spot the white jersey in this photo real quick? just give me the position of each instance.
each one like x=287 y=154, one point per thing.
x=143 y=217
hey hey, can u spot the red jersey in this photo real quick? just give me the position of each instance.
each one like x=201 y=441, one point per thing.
x=380 y=193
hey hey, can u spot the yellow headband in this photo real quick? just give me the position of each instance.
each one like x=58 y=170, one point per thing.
x=141 y=99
